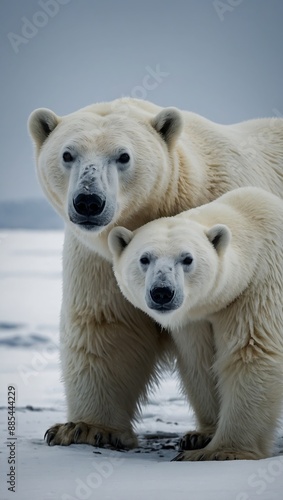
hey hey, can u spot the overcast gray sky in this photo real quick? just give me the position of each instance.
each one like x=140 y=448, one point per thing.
x=222 y=59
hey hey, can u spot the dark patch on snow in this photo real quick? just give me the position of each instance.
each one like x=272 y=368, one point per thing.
x=10 y=326
x=31 y=340
x=32 y=408
x=158 y=442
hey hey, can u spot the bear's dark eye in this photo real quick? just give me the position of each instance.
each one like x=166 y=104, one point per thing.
x=187 y=260
x=144 y=260
x=124 y=158
x=67 y=157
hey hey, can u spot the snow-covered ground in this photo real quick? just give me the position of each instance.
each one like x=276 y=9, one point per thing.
x=30 y=296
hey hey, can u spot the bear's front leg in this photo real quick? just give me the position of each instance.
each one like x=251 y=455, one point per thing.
x=106 y=371
x=250 y=388
x=109 y=354
x=195 y=357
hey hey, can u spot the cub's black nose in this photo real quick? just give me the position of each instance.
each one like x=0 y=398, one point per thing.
x=161 y=294
x=88 y=204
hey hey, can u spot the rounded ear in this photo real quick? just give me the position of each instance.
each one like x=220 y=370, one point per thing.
x=118 y=238
x=41 y=123
x=168 y=123
x=219 y=236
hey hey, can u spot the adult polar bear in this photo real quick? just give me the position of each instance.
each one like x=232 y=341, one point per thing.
x=213 y=275
x=127 y=162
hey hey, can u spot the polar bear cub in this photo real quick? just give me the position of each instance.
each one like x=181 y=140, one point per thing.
x=214 y=276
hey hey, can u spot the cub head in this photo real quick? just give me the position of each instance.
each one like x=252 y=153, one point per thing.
x=100 y=165
x=170 y=268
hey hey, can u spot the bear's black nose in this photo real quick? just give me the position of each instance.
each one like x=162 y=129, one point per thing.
x=161 y=294
x=88 y=204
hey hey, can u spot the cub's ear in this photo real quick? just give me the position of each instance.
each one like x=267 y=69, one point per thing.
x=118 y=238
x=168 y=123
x=220 y=236
x=41 y=123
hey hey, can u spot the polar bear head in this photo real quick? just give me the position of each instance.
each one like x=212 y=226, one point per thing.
x=170 y=268
x=100 y=165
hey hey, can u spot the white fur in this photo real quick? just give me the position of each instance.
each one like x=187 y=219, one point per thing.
x=110 y=351
x=229 y=328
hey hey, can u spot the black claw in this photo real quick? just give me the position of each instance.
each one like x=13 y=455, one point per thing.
x=77 y=434
x=185 y=443
x=46 y=433
x=118 y=444
x=178 y=458
x=193 y=440
x=50 y=436
x=97 y=439
x=182 y=444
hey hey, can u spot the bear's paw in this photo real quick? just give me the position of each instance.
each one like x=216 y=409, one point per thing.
x=83 y=433
x=194 y=440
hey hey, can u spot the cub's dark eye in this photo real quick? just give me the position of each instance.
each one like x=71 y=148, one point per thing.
x=187 y=260
x=124 y=158
x=144 y=260
x=67 y=157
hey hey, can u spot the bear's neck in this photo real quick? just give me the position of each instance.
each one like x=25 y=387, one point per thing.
x=187 y=188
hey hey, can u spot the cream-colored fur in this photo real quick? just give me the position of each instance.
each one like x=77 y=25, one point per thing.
x=228 y=323
x=110 y=351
